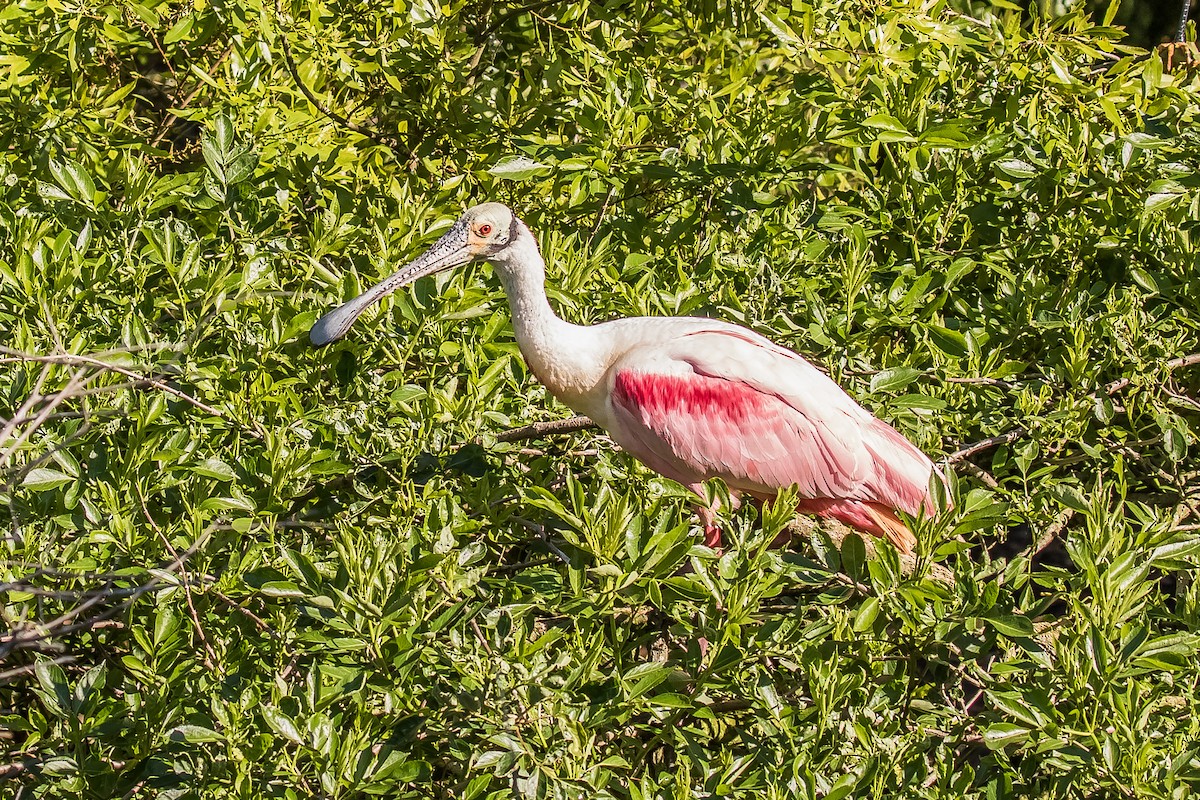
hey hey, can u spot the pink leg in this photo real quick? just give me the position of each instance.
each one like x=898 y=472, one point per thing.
x=708 y=516
x=712 y=533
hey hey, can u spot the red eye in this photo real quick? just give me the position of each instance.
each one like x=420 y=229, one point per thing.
x=484 y=230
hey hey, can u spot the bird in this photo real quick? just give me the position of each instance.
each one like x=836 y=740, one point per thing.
x=692 y=398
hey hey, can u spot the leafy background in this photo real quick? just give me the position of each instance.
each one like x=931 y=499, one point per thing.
x=236 y=566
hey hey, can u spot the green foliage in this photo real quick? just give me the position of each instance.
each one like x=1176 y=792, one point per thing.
x=235 y=566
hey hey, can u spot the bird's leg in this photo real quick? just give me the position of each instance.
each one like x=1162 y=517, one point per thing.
x=708 y=515
x=712 y=532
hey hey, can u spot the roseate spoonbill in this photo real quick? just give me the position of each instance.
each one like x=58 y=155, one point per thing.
x=692 y=398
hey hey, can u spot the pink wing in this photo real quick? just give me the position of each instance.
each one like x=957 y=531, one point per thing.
x=729 y=404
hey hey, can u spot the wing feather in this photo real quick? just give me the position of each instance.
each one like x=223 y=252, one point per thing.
x=735 y=406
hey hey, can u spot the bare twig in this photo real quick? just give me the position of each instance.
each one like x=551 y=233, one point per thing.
x=26 y=406
x=536 y=429
x=259 y=622
x=980 y=473
x=26 y=669
x=294 y=71
x=473 y=64
x=210 y=658
x=1016 y=433
x=983 y=381
x=1172 y=365
x=75 y=359
x=169 y=120
x=479 y=635
x=63 y=624
x=502 y=569
x=542 y=534
x=1051 y=533
x=77 y=381
x=600 y=216
x=986 y=444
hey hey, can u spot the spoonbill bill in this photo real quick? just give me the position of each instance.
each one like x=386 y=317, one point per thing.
x=689 y=397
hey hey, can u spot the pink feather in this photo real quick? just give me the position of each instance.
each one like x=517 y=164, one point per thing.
x=730 y=405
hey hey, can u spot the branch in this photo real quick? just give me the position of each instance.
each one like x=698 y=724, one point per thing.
x=18 y=671
x=1051 y=533
x=171 y=117
x=1016 y=433
x=556 y=426
x=294 y=71
x=1172 y=365
x=986 y=444
x=33 y=635
x=210 y=659
x=73 y=359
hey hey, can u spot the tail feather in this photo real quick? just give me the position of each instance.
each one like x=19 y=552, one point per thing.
x=892 y=528
x=873 y=518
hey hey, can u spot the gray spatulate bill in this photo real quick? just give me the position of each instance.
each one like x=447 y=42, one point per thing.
x=449 y=251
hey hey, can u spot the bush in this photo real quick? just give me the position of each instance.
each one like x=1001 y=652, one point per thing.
x=239 y=566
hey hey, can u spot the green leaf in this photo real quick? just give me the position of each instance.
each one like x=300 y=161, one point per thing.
x=215 y=468
x=282 y=724
x=44 y=479
x=179 y=30
x=885 y=122
x=1017 y=168
x=1011 y=625
x=866 y=616
x=1070 y=497
x=282 y=589
x=517 y=168
x=1000 y=735
x=853 y=555
x=1161 y=200
x=950 y=342
x=894 y=379
x=194 y=734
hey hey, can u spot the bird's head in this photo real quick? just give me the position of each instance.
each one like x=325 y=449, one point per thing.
x=484 y=232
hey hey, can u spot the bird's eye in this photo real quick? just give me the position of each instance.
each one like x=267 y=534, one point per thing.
x=484 y=230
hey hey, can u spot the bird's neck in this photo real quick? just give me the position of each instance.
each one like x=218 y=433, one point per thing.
x=570 y=360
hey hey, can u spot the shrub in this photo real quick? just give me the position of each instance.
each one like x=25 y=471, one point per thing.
x=238 y=566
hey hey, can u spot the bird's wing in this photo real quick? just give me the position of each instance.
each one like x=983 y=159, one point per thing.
x=730 y=404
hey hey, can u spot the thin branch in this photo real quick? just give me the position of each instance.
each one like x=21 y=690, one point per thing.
x=59 y=626
x=210 y=658
x=544 y=536
x=1051 y=533
x=77 y=380
x=503 y=569
x=1172 y=365
x=983 y=381
x=26 y=406
x=479 y=635
x=986 y=444
x=294 y=71
x=172 y=117
x=73 y=359
x=17 y=671
x=259 y=622
x=536 y=429
x=1183 y=362
x=600 y=217
x=980 y=473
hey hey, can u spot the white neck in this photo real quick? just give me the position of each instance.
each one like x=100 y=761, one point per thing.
x=570 y=360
